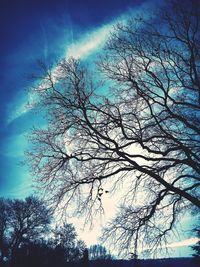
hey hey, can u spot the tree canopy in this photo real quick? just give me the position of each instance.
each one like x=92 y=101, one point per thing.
x=21 y=222
x=65 y=239
x=143 y=132
x=28 y=239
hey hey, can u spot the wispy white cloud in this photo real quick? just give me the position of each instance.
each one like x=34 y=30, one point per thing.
x=184 y=243
x=21 y=107
x=88 y=43
x=17 y=143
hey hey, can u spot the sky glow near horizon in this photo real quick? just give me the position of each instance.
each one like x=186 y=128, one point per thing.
x=87 y=43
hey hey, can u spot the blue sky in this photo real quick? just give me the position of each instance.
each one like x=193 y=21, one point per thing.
x=32 y=30
x=46 y=30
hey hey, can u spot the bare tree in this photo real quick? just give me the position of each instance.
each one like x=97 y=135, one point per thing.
x=196 y=247
x=65 y=239
x=99 y=252
x=143 y=133
x=21 y=222
x=28 y=221
x=4 y=225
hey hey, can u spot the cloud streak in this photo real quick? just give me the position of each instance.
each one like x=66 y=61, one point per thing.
x=89 y=43
x=184 y=243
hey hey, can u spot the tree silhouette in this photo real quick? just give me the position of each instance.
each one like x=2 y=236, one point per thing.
x=29 y=220
x=4 y=225
x=21 y=222
x=66 y=243
x=143 y=133
x=98 y=252
x=26 y=238
x=196 y=247
x=85 y=259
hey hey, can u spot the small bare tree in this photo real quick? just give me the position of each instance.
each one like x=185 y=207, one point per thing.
x=21 y=222
x=4 y=225
x=143 y=133
x=65 y=239
x=28 y=221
